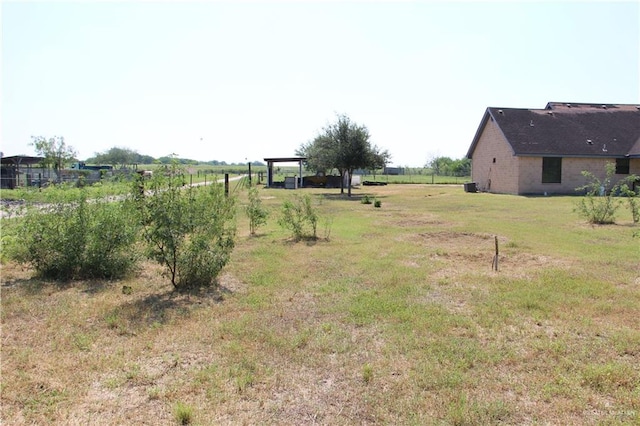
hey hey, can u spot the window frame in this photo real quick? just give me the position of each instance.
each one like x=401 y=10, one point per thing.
x=551 y=169
x=623 y=166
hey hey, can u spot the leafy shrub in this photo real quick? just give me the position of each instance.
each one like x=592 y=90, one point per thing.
x=632 y=198
x=366 y=200
x=600 y=203
x=190 y=231
x=377 y=203
x=79 y=240
x=300 y=217
x=255 y=211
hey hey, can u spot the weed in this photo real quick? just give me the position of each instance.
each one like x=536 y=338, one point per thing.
x=377 y=204
x=183 y=413
x=365 y=200
x=81 y=341
x=367 y=373
x=609 y=377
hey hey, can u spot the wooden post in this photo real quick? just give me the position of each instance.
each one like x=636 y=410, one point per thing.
x=226 y=184
x=495 y=258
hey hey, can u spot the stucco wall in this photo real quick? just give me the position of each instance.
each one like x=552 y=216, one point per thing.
x=500 y=176
x=531 y=174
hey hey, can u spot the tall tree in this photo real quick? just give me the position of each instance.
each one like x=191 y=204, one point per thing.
x=345 y=146
x=55 y=151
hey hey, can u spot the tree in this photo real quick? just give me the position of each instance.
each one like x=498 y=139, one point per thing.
x=440 y=166
x=116 y=156
x=345 y=146
x=55 y=151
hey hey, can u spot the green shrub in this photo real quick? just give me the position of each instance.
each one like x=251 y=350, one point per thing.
x=300 y=217
x=256 y=213
x=377 y=203
x=190 y=231
x=600 y=203
x=366 y=200
x=632 y=198
x=79 y=240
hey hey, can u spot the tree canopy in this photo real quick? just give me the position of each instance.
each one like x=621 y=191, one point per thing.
x=120 y=157
x=343 y=145
x=55 y=151
x=445 y=166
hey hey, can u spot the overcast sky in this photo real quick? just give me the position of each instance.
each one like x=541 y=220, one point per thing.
x=241 y=81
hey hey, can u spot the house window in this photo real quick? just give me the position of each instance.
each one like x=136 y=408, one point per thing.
x=551 y=169
x=622 y=166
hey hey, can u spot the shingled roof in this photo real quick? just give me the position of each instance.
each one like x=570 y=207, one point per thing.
x=568 y=130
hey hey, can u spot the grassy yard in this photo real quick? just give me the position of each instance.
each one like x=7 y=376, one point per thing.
x=396 y=318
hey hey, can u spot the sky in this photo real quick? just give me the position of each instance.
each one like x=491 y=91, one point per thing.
x=243 y=81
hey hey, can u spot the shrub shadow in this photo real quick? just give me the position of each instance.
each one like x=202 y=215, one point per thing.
x=157 y=309
x=354 y=197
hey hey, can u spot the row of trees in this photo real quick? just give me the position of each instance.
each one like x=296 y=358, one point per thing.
x=446 y=166
x=121 y=157
x=344 y=146
x=57 y=154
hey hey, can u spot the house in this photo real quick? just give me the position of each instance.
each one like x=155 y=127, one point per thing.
x=544 y=151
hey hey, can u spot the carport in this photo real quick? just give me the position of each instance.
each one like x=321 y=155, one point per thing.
x=12 y=170
x=271 y=161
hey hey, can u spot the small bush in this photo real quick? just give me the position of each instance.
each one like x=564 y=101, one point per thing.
x=191 y=231
x=256 y=213
x=632 y=198
x=366 y=200
x=600 y=203
x=300 y=217
x=377 y=204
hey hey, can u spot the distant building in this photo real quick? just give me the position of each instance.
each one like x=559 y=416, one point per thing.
x=19 y=170
x=393 y=171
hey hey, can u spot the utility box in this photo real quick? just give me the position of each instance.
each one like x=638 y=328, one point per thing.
x=470 y=187
x=290 y=182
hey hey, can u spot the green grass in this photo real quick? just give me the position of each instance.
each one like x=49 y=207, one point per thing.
x=397 y=318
